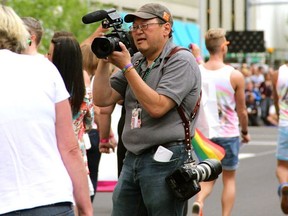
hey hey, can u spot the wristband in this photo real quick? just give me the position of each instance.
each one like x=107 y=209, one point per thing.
x=129 y=69
x=111 y=136
x=126 y=67
x=244 y=133
x=104 y=140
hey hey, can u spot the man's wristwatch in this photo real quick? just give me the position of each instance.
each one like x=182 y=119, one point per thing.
x=244 y=133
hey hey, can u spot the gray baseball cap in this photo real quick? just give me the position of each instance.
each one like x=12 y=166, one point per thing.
x=150 y=11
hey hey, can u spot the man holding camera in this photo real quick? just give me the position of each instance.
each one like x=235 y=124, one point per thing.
x=153 y=87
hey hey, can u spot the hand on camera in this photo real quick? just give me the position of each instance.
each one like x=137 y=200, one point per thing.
x=100 y=31
x=120 y=58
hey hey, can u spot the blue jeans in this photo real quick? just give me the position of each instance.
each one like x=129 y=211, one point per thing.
x=48 y=210
x=141 y=188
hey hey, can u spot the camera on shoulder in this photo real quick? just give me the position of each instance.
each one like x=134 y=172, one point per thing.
x=105 y=45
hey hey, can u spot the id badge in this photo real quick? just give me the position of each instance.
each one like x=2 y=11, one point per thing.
x=136 y=118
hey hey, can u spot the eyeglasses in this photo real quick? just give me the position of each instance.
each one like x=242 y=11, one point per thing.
x=144 y=26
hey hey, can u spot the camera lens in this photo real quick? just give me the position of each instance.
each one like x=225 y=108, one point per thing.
x=103 y=46
x=208 y=170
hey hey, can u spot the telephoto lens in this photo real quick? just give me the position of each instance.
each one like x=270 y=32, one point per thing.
x=184 y=181
x=208 y=170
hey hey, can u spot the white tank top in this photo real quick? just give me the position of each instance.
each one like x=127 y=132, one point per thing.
x=282 y=90
x=228 y=118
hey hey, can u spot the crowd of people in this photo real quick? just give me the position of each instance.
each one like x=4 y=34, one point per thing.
x=54 y=131
x=258 y=94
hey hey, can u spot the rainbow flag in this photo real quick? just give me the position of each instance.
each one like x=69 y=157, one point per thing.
x=205 y=148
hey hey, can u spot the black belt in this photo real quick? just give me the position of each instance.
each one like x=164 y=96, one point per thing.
x=170 y=144
x=167 y=145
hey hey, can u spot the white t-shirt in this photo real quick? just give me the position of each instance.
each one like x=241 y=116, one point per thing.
x=31 y=170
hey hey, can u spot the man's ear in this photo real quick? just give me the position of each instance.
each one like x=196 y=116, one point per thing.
x=33 y=37
x=167 y=28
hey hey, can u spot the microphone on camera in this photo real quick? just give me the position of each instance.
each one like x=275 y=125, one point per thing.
x=94 y=16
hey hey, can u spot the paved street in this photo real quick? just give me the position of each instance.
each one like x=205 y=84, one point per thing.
x=256 y=181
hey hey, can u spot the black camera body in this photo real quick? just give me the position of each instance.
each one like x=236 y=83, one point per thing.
x=105 y=45
x=184 y=181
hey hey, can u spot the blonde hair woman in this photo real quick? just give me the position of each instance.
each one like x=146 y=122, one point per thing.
x=40 y=162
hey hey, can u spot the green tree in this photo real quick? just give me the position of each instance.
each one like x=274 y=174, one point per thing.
x=56 y=15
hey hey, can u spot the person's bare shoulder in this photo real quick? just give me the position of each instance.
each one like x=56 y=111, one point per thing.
x=237 y=79
x=237 y=74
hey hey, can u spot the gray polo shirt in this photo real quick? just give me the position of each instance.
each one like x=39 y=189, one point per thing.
x=177 y=78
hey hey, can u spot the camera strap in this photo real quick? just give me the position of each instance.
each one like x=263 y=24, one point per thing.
x=180 y=109
x=187 y=121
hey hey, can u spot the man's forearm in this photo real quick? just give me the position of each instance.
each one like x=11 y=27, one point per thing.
x=102 y=90
x=97 y=33
x=243 y=120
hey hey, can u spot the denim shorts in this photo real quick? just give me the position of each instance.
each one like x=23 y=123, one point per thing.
x=58 y=209
x=231 y=146
x=282 y=144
